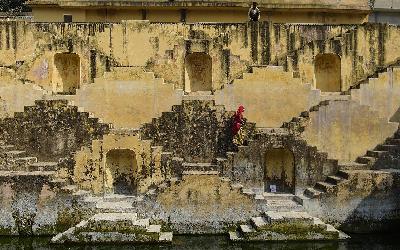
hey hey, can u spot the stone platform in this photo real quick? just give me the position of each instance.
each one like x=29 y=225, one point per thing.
x=114 y=227
x=277 y=226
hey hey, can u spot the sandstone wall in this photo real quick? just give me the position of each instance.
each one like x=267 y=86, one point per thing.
x=163 y=48
x=347 y=129
x=90 y=170
x=249 y=166
x=353 y=206
x=15 y=96
x=127 y=101
x=51 y=130
x=30 y=206
x=270 y=95
x=363 y=51
x=204 y=200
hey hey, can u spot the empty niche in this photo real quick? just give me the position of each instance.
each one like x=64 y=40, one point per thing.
x=327 y=71
x=121 y=172
x=198 y=67
x=279 y=171
x=68 y=72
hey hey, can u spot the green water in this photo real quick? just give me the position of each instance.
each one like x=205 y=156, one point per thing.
x=376 y=242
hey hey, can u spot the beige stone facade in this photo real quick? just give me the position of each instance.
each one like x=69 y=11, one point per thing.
x=129 y=108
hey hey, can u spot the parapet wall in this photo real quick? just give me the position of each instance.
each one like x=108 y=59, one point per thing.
x=162 y=48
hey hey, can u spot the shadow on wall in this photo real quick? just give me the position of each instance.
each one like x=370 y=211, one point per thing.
x=396 y=116
x=279 y=171
x=121 y=172
x=368 y=201
x=67 y=76
x=327 y=72
x=378 y=212
x=198 y=76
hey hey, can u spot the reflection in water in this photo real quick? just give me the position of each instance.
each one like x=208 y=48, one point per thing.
x=375 y=242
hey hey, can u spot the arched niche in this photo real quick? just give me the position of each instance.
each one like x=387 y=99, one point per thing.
x=67 y=72
x=121 y=172
x=279 y=170
x=327 y=71
x=198 y=66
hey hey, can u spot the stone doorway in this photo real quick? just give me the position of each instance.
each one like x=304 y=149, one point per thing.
x=67 y=72
x=279 y=171
x=198 y=77
x=327 y=71
x=121 y=172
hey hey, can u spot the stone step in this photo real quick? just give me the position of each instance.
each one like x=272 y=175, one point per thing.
x=393 y=141
x=60 y=181
x=12 y=174
x=289 y=217
x=116 y=217
x=50 y=103
x=320 y=223
x=375 y=153
x=43 y=166
x=235 y=236
x=366 y=160
x=343 y=174
x=5 y=148
x=187 y=166
x=352 y=166
x=26 y=160
x=259 y=222
x=14 y=153
x=388 y=147
x=118 y=197
x=277 y=196
x=200 y=173
x=301 y=199
x=110 y=207
x=114 y=228
x=70 y=189
x=312 y=193
x=80 y=194
x=246 y=228
x=283 y=205
x=334 y=179
x=165 y=237
x=325 y=186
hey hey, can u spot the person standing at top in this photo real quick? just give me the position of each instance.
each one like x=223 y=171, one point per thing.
x=254 y=13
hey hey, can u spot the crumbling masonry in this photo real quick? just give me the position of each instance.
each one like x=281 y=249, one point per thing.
x=120 y=131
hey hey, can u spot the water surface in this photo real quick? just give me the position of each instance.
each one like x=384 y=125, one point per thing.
x=376 y=242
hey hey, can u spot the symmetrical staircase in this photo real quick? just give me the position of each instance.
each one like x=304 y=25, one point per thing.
x=15 y=162
x=285 y=225
x=283 y=218
x=121 y=227
x=52 y=129
x=384 y=157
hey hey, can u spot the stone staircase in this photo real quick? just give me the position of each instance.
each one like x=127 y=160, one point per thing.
x=384 y=157
x=284 y=219
x=121 y=227
x=58 y=119
x=114 y=219
x=14 y=161
x=194 y=134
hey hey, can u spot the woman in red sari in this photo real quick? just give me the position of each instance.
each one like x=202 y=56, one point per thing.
x=237 y=127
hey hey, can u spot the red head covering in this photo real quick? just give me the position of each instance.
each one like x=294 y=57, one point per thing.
x=237 y=120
